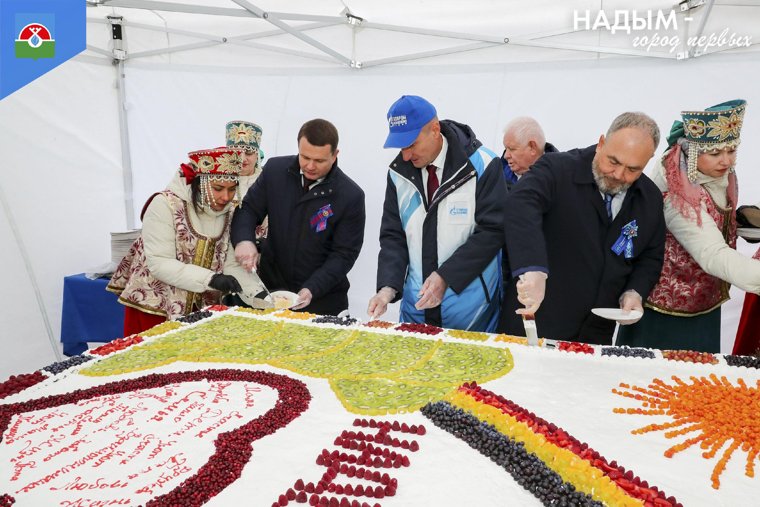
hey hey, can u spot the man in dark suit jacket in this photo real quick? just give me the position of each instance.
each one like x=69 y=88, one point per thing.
x=316 y=222
x=591 y=234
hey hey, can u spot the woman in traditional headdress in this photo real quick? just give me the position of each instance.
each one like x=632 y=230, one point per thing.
x=697 y=178
x=183 y=260
x=247 y=136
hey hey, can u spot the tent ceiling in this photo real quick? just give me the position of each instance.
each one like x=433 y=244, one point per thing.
x=364 y=33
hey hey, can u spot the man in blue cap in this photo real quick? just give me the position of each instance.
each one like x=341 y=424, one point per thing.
x=443 y=223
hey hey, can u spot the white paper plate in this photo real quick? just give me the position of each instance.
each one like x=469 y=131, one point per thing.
x=284 y=299
x=616 y=313
x=748 y=232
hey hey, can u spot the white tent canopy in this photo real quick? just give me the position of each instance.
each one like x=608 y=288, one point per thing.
x=88 y=142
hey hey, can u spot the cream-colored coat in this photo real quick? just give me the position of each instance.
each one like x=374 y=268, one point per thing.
x=706 y=243
x=159 y=237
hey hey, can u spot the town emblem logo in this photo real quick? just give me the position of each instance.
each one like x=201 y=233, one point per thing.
x=35 y=41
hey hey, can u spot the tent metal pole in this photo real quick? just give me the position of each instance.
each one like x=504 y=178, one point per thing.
x=213 y=40
x=175 y=49
x=254 y=35
x=119 y=57
x=177 y=7
x=289 y=16
x=702 y=22
x=95 y=49
x=590 y=49
x=216 y=11
x=126 y=157
x=293 y=31
x=435 y=33
x=30 y=273
x=426 y=54
x=735 y=50
x=275 y=49
x=300 y=28
x=241 y=42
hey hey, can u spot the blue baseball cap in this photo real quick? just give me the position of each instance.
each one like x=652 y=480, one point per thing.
x=406 y=117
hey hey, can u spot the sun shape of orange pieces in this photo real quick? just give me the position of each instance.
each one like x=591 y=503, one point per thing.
x=711 y=411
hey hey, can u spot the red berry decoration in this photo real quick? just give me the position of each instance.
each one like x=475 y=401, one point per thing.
x=577 y=347
x=116 y=345
x=412 y=327
x=17 y=383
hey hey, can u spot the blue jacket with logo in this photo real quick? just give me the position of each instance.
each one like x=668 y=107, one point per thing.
x=307 y=254
x=459 y=235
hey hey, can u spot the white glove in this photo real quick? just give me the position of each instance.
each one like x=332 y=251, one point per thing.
x=531 y=288
x=304 y=299
x=247 y=255
x=380 y=301
x=630 y=300
x=432 y=291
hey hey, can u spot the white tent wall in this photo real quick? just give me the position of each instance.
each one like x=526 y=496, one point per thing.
x=64 y=129
x=62 y=183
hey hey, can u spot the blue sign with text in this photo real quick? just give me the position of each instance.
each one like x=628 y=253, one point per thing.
x=36 y=36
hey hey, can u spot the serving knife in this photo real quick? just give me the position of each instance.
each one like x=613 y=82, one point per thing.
x=531 y=332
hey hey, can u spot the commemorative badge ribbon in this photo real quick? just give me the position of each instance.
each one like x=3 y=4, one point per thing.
x=319 y=220
x=624 y=243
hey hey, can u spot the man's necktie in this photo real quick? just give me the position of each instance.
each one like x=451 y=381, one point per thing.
x=608 y=204
x=307 y=183
x=432 y=182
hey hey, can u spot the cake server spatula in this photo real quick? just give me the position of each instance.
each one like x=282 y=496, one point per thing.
x=531 y=332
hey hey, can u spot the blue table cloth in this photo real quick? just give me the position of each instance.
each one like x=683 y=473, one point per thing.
x=90 y=313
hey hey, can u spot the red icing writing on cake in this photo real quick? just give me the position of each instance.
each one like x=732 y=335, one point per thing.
x=125 y=448
x=89 y=502
x=100 y=483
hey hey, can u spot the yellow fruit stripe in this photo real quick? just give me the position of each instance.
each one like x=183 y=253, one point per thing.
x=508 y=338
x=289 y=314
x=467 y=335
x=162 y=328
x=571 y=467
x=256 y=311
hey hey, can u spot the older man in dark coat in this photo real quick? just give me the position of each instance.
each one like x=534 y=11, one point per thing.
x=592 y=234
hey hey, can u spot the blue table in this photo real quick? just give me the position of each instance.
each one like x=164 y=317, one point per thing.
x=90 y=313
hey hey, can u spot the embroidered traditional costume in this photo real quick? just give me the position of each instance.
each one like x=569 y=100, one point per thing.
x=701 y=262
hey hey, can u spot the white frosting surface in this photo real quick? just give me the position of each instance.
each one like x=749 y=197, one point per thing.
x=573 y=391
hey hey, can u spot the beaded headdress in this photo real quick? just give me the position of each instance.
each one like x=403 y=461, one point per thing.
x=217 y=164
x=243 y=134
x=221 y=163
x=247 y=136
x=716 y=128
